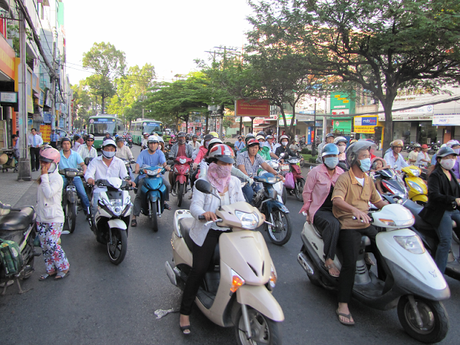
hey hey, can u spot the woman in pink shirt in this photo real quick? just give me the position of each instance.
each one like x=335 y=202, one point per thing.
x=317 y=203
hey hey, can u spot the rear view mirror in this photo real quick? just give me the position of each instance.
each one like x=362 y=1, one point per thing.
x=203 y=186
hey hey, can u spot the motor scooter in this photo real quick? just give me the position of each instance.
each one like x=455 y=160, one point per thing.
x=153 y=194
x=236 y=291
x=70 y=198
x=181 y=170
x=412 y=282
x=278 y=223
x=110 y=223
x=418 y=191
x=292 y=165
x=17 y=233
x=281 y=192
x=388 y=181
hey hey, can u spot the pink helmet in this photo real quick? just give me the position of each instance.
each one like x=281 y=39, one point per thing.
x=50 y=155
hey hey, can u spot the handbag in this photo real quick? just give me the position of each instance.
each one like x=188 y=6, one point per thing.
x=289 y=180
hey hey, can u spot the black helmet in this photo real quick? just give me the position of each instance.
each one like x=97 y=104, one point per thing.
x=208 y=137
x=181 y=134
x=65 y=139
x=119 y=139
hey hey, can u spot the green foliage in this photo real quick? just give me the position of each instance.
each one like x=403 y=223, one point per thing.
x=305 y=150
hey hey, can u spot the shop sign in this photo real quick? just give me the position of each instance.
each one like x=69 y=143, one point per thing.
x=446 y=119
x=253 y=107
x=7 y=57
x=288 y=120
x=30 y=104
x=8 y=97
x=47 y=118
x=365 y=129
x=45 y=131
x=365 y=121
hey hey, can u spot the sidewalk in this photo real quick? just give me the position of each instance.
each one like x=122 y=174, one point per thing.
x=18 y=193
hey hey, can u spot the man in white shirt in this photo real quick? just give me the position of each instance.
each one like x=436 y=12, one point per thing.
x=104 y=166
x=88 y=150
x=78 y=142
x=394 y=158
x=123 y=151
x=194 y=143
x=35 y=141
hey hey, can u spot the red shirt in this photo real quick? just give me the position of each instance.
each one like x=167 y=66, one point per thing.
x=181 y=151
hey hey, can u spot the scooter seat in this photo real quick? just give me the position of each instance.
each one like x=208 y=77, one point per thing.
x=15 y=220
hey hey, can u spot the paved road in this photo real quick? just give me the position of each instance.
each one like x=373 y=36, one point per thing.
x=100 y=303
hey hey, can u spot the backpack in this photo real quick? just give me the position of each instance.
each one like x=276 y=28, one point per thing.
x=10 y=257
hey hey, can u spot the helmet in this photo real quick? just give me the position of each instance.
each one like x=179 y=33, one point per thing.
x=262 y=133
x=181 y=135
x=249 y=137
x=223 y=153
x=417 y=145
x=214 y=134
x=340 y=140
x=194 y=136
x=269 y=137
x=76 y=137
x=208 y=137
x=329 y=135
x=252 y=142
x=452 y=143
x=374 y=161
x=145 y=133
x=89 y=136
x=424 y=146
x=119 y=139
x=153 y=139
x=353 y=150
x=353 y=141
x=214 y=140
x=445 y=151
x=160 y=139
x=397 y=143
x=108 y=142
x=65 y=139
x=259 y=137
x=284 y=137
x=330 y=149
x=50 y=155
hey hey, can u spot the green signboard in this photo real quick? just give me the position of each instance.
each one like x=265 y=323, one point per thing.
x=341 y=104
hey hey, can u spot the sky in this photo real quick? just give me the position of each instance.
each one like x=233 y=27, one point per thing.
x=167 y=34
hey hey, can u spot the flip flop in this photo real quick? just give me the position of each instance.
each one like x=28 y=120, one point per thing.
x=347 y=316
x=328 y=267
x=184 y=329
x=61 y=275
x=133 y=223
x=46 y=276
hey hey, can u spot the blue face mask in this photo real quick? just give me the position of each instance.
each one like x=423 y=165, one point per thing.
x=365 y=165
x=331 y=162
x=108 y=154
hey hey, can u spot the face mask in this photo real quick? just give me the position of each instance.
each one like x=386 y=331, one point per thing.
x=284 y=143
x=181 y=141
x=331 y=162
x=457 y=151
x=365 y=164
x=447 y=164
x=108 y=154
x=342 y=148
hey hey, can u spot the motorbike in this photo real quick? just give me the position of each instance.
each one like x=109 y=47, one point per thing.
x=412 y=280
x=153 y=193
x=70 y=198
x=237 y=289
x=418 y=191
x=110 y=223
x=281 y=192
x=292 y=165
x=181 y=172
x=129 y=141
x=278 y=223
x=129 y=168
x=17 y=233
x=388 y=181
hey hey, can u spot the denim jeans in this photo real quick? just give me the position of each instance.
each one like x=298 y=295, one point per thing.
x=444 y=232
x=80 y=190
x=249 y=191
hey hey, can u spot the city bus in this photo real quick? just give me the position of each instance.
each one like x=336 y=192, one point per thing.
x=99 y=125
x=141 y=126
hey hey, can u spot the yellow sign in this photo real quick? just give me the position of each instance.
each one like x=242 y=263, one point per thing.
x=45 y=131
x=365 y=129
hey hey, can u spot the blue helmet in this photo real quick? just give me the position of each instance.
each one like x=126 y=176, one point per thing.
x=330 y=149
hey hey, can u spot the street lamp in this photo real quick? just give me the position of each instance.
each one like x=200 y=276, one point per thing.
x=313 y=143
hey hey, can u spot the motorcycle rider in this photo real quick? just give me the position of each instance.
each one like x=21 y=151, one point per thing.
x=352 y=193
x=412 y=158
x=393 y=157
x=284 y=141
x=423 y=159
x=264 y=150
x=329 y=140
x=205 y=237
x=145 y=138
x=88 y=150
x=341 y=143
x=78 y=141
x=194 y=143
x=123 y=151
x=202 y=150
x=71 y=159
x=104 y=166
x=443 y=203
x=239 y=144
x=249 y=162
x=179 y=149
x=151 y=157
x=272 y=146
x=318 y=204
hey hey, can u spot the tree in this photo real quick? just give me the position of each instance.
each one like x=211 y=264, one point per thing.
x=382 y=45
x=82 y=104
x=108 y=64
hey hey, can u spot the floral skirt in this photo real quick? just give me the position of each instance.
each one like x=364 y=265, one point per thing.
x=54 y=256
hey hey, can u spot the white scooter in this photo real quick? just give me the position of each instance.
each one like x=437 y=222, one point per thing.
x=236 y=290
x=413 y=281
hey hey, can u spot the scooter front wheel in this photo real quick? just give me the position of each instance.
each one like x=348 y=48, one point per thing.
x=119 y=246
x=153 y=215
x=71 y=216
x=299 y=189
x=281 y=232
x=263 y=329
x=433 y=316
x=180 y=193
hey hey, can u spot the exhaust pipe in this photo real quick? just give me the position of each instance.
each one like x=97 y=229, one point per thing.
x=170 y=273
x=305 y=263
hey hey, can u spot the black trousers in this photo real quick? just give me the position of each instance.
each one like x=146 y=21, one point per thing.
x=202 y=257
x=35 y=158
x=330 y=226
x=349 y=242
x=54 y=144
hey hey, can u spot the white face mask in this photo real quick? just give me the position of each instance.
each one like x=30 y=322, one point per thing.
x=284 y=143
x=447 y=164
x=342 y=148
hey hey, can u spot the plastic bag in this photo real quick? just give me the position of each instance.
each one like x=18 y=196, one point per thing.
x=289 y=181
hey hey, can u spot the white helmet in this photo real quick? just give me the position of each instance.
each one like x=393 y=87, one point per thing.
x=153 y=139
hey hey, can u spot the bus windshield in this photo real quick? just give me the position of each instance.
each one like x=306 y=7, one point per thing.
x=102 y=126
x=150 y=127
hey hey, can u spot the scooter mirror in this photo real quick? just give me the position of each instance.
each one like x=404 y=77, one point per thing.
x=203 y=186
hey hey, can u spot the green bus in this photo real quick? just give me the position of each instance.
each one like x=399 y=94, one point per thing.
x=141 y=126
x=99 y=125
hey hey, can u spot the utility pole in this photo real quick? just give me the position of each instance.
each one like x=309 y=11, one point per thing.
x=313 y=134
x=24 y=163
x=53 y=85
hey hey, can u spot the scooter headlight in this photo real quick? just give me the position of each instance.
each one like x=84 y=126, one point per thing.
x=412 y=243
x=248 y=220
x=114 y=206
x=415 y=186
x=237 y=282
x=273 y=279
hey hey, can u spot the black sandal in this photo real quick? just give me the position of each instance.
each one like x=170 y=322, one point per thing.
x=133 y=223
x=186 y=330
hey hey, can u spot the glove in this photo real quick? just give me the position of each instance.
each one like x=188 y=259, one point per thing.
x=250 y=181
